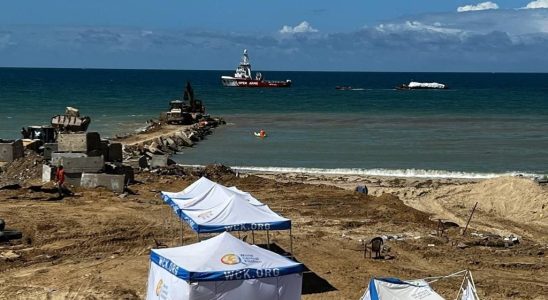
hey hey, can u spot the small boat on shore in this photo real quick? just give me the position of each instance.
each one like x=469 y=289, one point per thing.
x=243 y=77
x=413 y=85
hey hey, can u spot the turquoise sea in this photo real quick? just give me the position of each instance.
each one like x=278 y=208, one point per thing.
x=485 y=124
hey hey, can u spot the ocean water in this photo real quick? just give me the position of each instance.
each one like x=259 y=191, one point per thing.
x=483 y=126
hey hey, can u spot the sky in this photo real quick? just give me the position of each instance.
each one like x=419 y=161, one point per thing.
x=319 y=35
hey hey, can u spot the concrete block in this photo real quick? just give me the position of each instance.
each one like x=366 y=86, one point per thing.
x=93 y=164
x=115 y=152
x=79 y=142
x=104 y=149
x=57 y=157
x=158 y=161
x=112 y=182
x=73 y=179
x=11 y=150
x=143 y=162
x=133 y=162
x=121 y=169
x=49 y=148
x=48 y=173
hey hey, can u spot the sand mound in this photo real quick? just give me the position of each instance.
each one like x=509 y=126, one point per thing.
x=517 y=199
x=23 y=169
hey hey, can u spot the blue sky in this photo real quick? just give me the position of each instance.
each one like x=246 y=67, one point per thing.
x=372 y=35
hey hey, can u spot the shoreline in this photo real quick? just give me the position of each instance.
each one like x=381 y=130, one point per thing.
x=380 y=172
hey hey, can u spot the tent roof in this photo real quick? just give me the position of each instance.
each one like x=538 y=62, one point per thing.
x=223 y=257
x=210 y=207
x=393 y=288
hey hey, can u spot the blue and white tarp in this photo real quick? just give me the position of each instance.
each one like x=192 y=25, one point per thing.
x=396 y=289
x=210 y=207
x=222 y=267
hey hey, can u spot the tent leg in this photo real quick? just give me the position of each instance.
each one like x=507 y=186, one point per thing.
x=239 y=235
x=268 y=239
x=198 y=235
x=253 y=235
x=291 y=242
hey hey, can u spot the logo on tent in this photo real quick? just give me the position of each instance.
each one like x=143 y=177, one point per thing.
x=159 y=287
x=230 y=259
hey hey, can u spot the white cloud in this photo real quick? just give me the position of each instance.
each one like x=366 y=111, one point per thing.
x=146 y=32
x=416 y=26
x=480 y=6
x=5 y=40
x=537 y=4
x=304 y=27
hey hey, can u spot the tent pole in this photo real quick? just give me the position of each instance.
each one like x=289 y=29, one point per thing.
x=268 y=239
x=460 y=288
x=291 y=242
x=253 y=235
x=473 y=284
x=239 y=235
x=182 y=230
x=198 y=235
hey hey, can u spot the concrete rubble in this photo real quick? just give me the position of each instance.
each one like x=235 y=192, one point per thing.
x=89 y=161
x=11 y=150
x=112 y=182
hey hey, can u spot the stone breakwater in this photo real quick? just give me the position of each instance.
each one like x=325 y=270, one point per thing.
x=166 y=139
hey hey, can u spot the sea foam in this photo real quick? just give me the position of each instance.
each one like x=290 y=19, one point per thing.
x=412 y=173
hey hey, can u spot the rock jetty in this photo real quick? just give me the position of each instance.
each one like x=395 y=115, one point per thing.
x=163 y=139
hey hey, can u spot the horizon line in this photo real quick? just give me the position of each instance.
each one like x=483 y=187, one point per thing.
x=266 y=70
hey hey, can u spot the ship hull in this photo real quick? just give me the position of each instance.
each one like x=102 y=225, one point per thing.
x=250 y=83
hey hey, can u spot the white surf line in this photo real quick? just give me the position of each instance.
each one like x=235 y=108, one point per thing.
x=408 y=173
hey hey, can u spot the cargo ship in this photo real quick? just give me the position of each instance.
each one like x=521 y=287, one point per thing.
x=243 y=77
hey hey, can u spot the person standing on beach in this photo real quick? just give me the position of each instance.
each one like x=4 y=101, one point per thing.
x=60 y=180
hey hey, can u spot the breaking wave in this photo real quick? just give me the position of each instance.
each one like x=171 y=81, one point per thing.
x=414 y=173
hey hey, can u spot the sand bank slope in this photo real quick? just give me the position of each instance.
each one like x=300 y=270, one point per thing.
x=503 y=203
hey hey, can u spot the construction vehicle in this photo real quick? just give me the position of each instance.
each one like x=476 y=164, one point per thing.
x=187 y=111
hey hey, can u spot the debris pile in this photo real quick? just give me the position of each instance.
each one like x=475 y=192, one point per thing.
x=214 y=171
x=173 y=170
x=23 y=169
x=71 y=121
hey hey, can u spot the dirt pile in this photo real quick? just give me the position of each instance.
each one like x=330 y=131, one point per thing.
x=215 y=171
x=23 y=169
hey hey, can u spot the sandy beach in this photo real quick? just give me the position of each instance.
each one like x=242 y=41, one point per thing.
x=95 y=245
x=392 y=150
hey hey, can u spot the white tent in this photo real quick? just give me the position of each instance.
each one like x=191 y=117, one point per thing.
x=396 y=289
x=210 y=207
x=222 y=268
